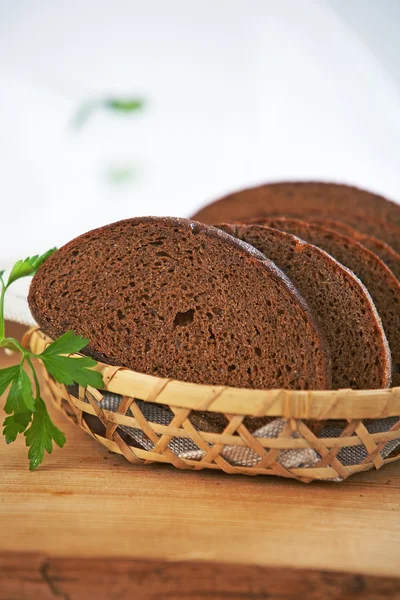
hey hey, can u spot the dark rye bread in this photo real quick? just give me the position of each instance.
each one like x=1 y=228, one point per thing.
x=383 y=230
x=367 y=212
x=378 y=247
x=178 y=299
x=374 y=274
x=344 y=309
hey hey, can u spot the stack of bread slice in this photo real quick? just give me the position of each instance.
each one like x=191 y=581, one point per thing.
x=360 y=231
x=285 y=286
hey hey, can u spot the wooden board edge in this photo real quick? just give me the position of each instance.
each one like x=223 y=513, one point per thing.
x=40 y=577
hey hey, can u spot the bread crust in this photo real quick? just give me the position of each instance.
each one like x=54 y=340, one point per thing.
x=367 y=212
x=377 y=246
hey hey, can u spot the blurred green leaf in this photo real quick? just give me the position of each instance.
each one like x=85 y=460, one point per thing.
x=122 y=174
x=116 y=105
x=124 y=105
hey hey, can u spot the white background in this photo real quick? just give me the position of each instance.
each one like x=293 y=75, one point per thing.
x=238 y=92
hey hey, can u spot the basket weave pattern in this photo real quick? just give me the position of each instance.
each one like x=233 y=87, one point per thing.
x=299 y=410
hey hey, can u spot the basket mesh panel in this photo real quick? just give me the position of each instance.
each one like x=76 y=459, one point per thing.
x=242 y=455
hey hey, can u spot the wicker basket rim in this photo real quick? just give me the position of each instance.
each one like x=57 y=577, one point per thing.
x=299 y=404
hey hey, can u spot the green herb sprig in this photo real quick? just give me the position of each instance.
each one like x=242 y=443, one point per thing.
x=25 y=407
x=115 y=105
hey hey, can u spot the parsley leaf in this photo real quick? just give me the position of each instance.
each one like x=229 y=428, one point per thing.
x=15 y=424
x=20 y=397
x=40 y=436
x=73 y=370
x=20 y=401
x=66 y=369
x=29 y=266
x=23 y=407
x=7 y=376
x=68 y=343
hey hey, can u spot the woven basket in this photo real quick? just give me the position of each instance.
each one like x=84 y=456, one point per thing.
x=296 y=412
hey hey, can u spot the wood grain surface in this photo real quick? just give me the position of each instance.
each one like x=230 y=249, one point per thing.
x=31 y=577
x=89 y=524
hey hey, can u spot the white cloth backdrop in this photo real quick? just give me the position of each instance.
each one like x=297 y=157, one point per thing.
x=239 y=92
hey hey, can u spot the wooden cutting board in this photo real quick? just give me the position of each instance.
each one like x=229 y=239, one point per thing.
x=87 y=524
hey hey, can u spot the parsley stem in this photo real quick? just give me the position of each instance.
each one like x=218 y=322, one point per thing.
x=12 y=344
x=37 y=386
x=2 y=325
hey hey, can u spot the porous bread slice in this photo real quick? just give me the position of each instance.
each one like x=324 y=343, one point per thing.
x=378 y=247
x=178 y=299
x=374 y=274
x=383 y=230
x=385 y=252
x=344 y=309
x=367 y=212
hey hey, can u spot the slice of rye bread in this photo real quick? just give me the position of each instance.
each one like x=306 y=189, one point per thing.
x=367 y=212
x=344 y=309
x=374 y=274
x=183 y=300
x=378 y=247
